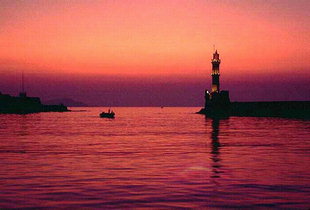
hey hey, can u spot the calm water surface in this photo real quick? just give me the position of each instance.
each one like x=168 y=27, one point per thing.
x=152 y=157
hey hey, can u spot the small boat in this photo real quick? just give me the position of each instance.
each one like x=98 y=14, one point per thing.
x=109 y=114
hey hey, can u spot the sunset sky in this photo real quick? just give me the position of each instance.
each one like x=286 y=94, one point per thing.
x=155 y=38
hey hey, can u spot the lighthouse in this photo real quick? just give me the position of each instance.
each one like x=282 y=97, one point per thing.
x=215 y=72
x=217 y=101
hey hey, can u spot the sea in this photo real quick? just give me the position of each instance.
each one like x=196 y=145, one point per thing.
x=159 y=158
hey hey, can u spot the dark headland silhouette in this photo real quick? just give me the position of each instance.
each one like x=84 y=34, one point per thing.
x=218 y=104
x=23 y=104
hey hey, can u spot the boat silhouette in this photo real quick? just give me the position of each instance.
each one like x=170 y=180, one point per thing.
x=109 y=114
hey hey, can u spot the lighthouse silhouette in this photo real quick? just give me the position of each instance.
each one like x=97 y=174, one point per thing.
x=216 y=72
x=217 y=101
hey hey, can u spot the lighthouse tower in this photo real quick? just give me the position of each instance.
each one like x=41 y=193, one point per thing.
x=217 y=101
x=215 y=72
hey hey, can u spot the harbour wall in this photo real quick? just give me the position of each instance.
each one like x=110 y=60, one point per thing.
x=290 y=109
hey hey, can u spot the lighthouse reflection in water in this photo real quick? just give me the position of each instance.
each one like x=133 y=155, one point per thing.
x=152 y=158
x=215 y=147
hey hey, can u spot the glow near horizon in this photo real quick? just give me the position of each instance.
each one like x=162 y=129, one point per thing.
x=143 y=37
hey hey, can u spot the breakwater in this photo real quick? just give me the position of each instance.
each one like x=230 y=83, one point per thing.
x=287 y=109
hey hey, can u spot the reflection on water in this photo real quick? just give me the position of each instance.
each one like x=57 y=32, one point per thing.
x=152 y=158
x=215 y=152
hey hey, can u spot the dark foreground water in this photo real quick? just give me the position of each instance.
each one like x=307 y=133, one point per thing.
x=152 y=157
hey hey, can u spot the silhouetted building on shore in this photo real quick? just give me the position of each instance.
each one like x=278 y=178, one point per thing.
x=23 y=104
x=217 y=102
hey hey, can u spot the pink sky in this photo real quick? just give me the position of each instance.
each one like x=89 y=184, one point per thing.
x=154 y=37
x=90 y=50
